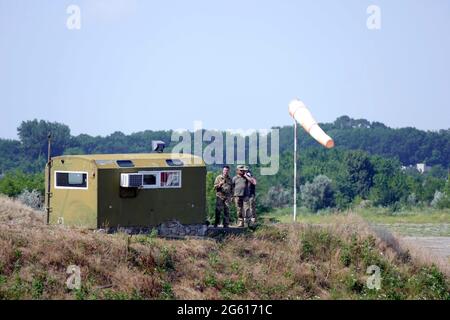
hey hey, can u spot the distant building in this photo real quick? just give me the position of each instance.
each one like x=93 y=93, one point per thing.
x=419 y=167
x=422 y=167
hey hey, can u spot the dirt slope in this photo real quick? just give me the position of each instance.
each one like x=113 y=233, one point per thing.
x=275 y=261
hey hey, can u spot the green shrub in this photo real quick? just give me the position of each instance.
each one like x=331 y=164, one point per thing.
x=272 y=233
x=167 y=292
x=430 y=283
x=234 y=286
x=210 y=281
x=318 y=194
x=16 y=182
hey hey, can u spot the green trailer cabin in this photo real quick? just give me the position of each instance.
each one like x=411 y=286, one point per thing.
x=126 y=190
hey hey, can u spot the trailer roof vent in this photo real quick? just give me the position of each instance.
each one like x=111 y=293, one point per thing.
x=174 y=162
x=125 y=163
x=104 y=162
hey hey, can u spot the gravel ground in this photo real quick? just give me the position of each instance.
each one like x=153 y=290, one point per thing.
x=419 y=230
x=432 y=237
x=439 y=246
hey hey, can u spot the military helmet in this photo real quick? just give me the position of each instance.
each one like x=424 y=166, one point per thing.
x=242 y=167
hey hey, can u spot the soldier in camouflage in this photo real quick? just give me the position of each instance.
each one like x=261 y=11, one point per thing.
x=224 y=190
x=241 y=193
x=251 y=208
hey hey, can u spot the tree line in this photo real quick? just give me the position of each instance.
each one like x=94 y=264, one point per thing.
x=366 y=165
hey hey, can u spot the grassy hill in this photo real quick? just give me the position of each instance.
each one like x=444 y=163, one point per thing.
x=275 y=261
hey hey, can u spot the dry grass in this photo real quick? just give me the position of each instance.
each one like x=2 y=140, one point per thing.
x=14 y=212
x=291 y=261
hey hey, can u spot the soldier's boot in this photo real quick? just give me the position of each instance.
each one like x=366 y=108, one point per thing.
x=252 y=221
x=226 y=222
x=226 y=217
x=217 y=220
x=241 y=223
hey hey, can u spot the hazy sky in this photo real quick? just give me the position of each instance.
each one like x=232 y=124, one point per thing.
x=137 y=65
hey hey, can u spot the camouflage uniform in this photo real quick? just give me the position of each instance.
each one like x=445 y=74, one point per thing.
x=251 y=213
x=240 y=187
x=223 y=198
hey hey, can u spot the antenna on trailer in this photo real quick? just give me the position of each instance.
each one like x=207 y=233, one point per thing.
x=158 y=146
x=49 y=167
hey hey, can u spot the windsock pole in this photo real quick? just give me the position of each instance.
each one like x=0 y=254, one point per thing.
x=300 y=113
x=295 y=170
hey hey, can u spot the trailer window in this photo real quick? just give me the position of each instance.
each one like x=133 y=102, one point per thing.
x=70 y=180
x=170 y=179
x=161 y=179
x=150 y=179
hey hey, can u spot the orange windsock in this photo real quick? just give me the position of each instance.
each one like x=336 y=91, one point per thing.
x=301 y=114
